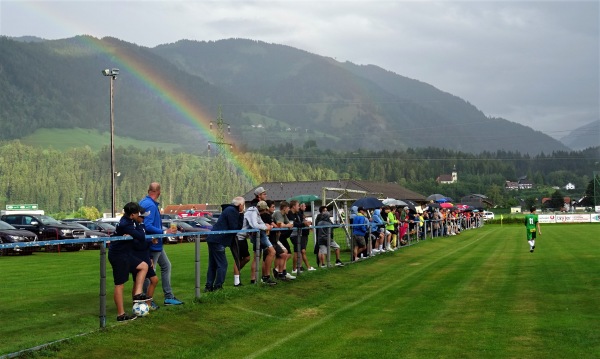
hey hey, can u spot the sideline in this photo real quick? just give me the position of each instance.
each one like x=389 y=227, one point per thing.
x=332 y=315
x=259 y=313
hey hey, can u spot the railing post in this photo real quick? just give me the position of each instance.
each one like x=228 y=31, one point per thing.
x=328 y=246
x=102 y=316
x=197 y=265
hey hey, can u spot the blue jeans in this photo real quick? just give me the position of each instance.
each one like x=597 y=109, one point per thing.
x=164 y=263
x=217 y=265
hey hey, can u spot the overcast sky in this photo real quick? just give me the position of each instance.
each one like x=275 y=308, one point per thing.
x=535 y=63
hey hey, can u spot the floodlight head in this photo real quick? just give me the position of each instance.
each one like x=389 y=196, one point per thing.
x=106 y=72
x=114 y=72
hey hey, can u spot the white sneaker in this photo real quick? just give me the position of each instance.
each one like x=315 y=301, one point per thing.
x=289 y=276
x=311 y=269
x=294 y=271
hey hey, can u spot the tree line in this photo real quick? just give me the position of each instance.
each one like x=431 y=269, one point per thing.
x=67 y=180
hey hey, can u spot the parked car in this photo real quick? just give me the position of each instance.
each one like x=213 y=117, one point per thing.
x=198 y=222
x=9 y=234
x=98 y=226
x=90 y=234
x=47 y=229
x=184 y=226
x=169 y=216
x=185 y=214
x=488 y=215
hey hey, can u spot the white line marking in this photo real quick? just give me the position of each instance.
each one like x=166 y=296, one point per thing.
x=259 y=313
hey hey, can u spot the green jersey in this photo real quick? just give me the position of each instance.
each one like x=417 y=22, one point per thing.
x=531 y=221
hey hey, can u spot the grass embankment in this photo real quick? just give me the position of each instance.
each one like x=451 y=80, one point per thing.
x=477 y=295
x=63 y=139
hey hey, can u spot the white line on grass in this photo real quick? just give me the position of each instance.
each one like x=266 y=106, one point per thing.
x=314 y=324
x=259 y=313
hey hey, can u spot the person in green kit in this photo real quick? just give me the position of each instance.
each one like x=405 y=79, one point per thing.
x=532 y=226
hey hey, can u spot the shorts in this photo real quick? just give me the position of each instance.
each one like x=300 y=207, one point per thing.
x=239 y=250
x=151 y=272
x=279 y=249
x=332 y=244
x=531 y=235
x=286 y=244
x=122 y=265
x=264 y=240
x=359 y=241
x=303 y=242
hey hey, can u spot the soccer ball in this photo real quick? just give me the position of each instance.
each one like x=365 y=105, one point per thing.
x=140 y=309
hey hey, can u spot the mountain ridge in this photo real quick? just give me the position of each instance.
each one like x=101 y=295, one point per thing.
x=294 y=95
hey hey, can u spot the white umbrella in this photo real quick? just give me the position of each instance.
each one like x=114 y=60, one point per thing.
x=394 y=202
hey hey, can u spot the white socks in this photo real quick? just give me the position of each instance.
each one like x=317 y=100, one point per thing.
x=236 y=279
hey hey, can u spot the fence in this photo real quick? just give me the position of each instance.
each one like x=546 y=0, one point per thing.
x=419 y=232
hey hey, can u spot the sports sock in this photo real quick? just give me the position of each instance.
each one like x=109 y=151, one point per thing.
x=236 y=279
x=532 y=243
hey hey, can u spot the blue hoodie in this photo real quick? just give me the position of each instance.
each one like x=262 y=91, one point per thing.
x=353 y=213
x=377 y=220
x=152 y=222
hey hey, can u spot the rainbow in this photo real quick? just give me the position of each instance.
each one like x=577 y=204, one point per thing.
x=174 y=97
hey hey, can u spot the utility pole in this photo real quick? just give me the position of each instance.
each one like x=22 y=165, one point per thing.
x=220 y=163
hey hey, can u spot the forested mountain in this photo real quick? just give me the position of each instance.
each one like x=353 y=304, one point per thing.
x=58 y=84
x=270 y=94
x=584 y=136
x=362 y=106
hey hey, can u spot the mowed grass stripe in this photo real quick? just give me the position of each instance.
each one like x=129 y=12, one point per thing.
x=381 y=293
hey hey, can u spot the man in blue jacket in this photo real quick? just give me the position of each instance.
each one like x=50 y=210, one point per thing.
x=153 y=225
x=231 y=218
x=359 y=231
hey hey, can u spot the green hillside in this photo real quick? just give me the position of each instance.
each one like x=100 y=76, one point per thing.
x=63 y=139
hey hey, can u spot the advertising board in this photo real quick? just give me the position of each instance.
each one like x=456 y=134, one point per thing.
x=572 y=218
x=547 y=218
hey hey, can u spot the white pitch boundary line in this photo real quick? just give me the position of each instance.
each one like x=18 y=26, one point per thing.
x=350 y=305
x=260 y=313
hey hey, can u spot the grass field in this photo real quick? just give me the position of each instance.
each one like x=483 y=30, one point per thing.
x=63 y=139
x=477 y=295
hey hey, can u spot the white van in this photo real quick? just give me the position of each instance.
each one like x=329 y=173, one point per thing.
x=488 y=215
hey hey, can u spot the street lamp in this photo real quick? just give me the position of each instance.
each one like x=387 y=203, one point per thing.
x=112 y=75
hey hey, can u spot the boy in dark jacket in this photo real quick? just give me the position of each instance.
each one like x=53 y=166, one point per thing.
x=123 y=262
x=323 y=219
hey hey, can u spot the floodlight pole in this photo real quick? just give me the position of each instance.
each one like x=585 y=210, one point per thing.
x=112 y=74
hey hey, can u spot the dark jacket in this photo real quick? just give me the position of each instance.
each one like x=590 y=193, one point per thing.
x=298 y=220
x=323 y=219
x=139 y=243
x=230 y=219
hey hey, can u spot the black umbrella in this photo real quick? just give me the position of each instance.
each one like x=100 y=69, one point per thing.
x=368 y=203
x=433 y=205
x=411 y=205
